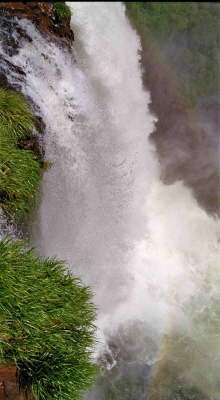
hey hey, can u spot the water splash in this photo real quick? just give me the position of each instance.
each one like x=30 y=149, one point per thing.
x=148 y=250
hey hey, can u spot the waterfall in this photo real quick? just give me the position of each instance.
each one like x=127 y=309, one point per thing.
x=148 y=250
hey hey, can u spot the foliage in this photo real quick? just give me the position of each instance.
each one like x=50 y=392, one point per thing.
x=19 y=179
x=188 y=35
x=62 y=10
x=182 y=393
x=19 y=169
x=46 y=324
x=16 y=119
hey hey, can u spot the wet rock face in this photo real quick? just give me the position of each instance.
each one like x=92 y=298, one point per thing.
x=126 y=364
x=12 y=39
x=12 y=77
x=43 y=15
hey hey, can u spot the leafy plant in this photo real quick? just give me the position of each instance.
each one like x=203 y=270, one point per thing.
x=62 y=10
x=47 y=324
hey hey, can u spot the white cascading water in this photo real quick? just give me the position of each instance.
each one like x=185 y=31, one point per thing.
x=148 y=250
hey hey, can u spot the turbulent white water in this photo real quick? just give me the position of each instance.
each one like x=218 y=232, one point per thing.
x=7 y=229
x=148 y=251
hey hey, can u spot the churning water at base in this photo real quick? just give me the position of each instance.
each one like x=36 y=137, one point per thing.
x=148 y=251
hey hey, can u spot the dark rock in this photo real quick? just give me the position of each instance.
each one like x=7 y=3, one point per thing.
x=40 y=125
x=32 y=143
x=4 y=81
x=12 y=67
x=12 y=35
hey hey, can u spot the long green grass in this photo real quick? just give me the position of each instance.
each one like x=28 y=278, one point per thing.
x=19 y=179
x=16 y=118
x=47 y=324
x=19 y=169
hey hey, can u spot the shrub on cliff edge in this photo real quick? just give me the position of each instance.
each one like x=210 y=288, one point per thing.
x=46 y=326
x=62 y=9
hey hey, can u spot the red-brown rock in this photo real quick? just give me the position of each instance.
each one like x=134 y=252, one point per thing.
x=43 y=15
x=8 y=384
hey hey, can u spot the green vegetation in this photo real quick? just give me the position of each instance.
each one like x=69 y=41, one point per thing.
x=46 y=324
x=46 y=315
x=19 y=179
x=186 y=394
x=62 y=10
x=188 y=36
x=16 y=118
x=19 y=169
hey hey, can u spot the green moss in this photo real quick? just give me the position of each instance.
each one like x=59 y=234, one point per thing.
x=62 y=10
x=46 y=326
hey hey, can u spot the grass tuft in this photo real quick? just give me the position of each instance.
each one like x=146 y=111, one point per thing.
x=16 y=118
x=47 y=324
x=19 y=168
x=19 y=179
